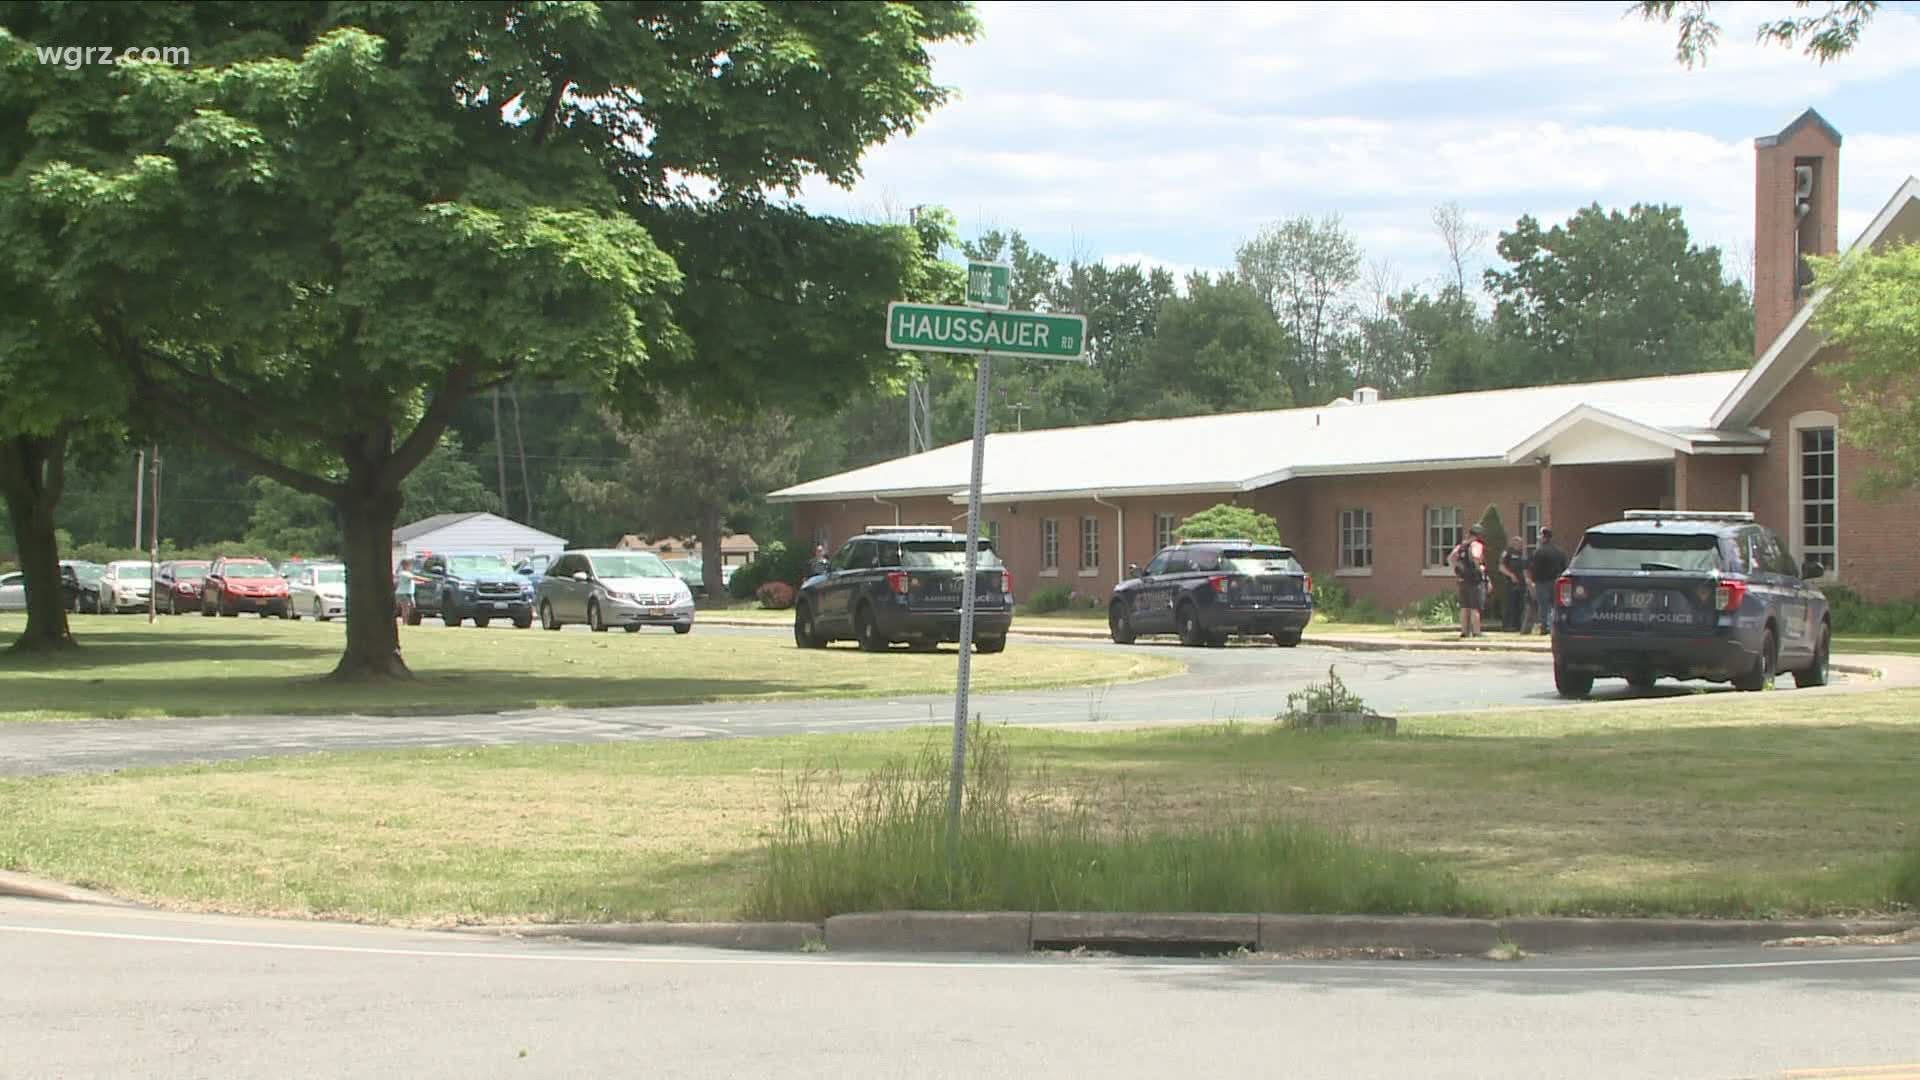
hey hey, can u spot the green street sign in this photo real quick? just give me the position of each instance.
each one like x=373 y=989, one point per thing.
x=989 y=285
x=940 y=328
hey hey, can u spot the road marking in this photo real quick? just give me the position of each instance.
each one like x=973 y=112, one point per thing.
x=1037 y=962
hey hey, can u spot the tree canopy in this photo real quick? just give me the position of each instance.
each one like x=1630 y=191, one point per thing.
x=1225 y=521
x=1870 y=309
x=1825 y=35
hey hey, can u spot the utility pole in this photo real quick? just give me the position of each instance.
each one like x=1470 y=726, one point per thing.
x=153 y=537
x=139 y=491
x=500 y=453
x=919 y=417
x=1018 y=408
x=520 y=444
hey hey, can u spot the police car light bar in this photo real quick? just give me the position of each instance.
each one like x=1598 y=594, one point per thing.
x=1689 y=515
x=883 y=529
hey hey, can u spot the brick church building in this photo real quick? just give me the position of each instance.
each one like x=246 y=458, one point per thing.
x=1376 y=492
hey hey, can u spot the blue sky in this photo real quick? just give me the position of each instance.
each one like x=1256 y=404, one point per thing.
x=1168 y=133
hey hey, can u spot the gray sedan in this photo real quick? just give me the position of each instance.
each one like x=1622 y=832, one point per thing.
x=319 y=590
x=13 y=592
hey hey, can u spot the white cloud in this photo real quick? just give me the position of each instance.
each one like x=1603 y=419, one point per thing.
x=1172 y=132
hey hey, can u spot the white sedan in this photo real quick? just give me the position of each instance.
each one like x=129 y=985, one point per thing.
x=13 y=592
x=319 y=590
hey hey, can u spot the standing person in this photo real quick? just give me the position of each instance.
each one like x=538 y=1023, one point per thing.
x=820 y=563
x=1469 y=561
x=1513 y=567
x=1548 y=563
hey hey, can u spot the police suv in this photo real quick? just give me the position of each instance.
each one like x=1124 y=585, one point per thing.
x=904 y=583
x=1209 y=590
x=1687 y=595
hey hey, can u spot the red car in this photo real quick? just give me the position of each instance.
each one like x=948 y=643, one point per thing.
x=176 y=586
x=237 y=584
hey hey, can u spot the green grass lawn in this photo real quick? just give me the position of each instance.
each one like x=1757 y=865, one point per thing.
x=182 y=665
x=1732 y=804
x=1869 y=644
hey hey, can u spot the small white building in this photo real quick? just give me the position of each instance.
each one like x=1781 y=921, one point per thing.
x=474 y=533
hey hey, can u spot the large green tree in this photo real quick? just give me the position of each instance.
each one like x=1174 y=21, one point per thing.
x=1872 y=310
x=344 y=220
x=1216 y=349
x=1306 y=271
x=1613 y=295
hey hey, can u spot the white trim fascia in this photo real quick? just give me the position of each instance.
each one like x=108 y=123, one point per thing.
x=1497 y=461
x=1221 y=487
x=1740 y=399
x=1723 y=450
x=788 y=495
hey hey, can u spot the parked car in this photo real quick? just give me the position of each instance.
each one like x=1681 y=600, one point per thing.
x=481 y=587
x=903 y=583
x=125 y=585
x=603 y=588
x=79 y=584
x=242 y=583
x=13 y=592
x=177 y=586
x=319 y=590
x=689 y=570
x=1689 y=595
x=1209 y=590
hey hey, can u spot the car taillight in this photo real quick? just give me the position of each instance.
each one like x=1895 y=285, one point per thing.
x=1309 y=584
x=1730 y=595
x=1006 y=581
x=1563 y=592
x=897 y=581
x=1218 y=583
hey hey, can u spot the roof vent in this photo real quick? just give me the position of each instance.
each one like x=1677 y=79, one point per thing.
x=1339 y=401
x=1365 y=395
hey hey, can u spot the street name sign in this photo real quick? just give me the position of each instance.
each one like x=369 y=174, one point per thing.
x=940 y=328
x=990 y=285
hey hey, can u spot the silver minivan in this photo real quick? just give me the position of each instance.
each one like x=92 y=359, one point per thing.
x=607 y=587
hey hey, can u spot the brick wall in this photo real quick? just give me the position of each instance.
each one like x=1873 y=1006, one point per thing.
x=1708 y=482
x=1579 y=497
x=1775 y=257
x=1878 y=541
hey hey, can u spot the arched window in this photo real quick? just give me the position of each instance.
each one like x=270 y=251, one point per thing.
x=1813 y=488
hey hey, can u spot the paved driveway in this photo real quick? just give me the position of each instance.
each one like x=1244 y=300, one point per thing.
x=1248 y=683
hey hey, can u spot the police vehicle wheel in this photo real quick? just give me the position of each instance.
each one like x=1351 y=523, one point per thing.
x=868 y=632
x=1286 y=641
x=1119 y=625
x=1188 y=623
x=991 y=644
x=1763 y=665
x=1642 y=680
x=805 y=635
x=1572 y=684
x=1815 y=673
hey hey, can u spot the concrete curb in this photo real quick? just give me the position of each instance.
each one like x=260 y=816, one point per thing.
x=932 y=931
x=28 y=887
x=767 y=937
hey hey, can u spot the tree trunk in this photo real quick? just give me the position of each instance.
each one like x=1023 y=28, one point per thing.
x=710 y=531
x=32 y=471
x=373 y=636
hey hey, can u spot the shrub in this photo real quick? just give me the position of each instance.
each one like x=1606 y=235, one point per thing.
x=777 y=595
x=1853 y=614
x=1231 y=522
x=1331 y=696
x=1049 y=598
x=1440 y=609
x=778 y=561
x=1494 y=535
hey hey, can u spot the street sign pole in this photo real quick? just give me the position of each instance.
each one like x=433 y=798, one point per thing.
x=982 y=329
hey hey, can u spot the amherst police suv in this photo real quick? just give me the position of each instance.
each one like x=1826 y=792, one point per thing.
x=1209 y=590
x=902 y=583
x=1689 y=595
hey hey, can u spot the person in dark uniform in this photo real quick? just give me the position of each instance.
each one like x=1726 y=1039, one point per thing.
x=1513 y=567
x=1548 y=563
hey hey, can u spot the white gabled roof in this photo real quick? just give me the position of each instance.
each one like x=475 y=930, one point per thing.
x=1797 y=344
x=1236 y=452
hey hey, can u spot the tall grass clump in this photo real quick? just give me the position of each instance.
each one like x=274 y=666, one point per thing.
x=1905 y=887
x=885 y=848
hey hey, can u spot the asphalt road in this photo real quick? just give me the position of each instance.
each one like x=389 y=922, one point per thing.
x=1240 y=682
x=93 y=992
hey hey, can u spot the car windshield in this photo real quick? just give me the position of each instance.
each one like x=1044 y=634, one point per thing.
x=189 y=571
x=640 y=564
x=1697 y=552
x=89 y=572
x=331 y=575
x=133 y=571
x=1256 y=561
x=248 y=568
x=474 y=564
x=943 y=555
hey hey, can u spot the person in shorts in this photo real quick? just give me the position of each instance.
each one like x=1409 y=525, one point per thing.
x=1469 y=561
